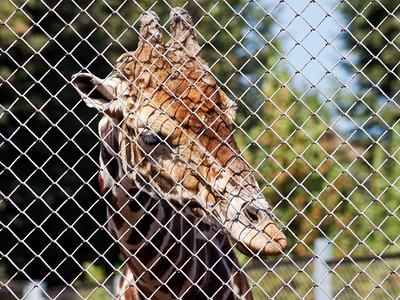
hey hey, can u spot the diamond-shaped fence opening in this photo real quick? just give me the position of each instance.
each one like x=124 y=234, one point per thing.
x=248 y=149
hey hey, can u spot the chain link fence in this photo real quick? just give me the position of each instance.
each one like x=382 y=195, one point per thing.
x=316 y=86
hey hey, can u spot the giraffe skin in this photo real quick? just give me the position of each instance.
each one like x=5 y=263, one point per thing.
x=179 y=194
x=166 y=261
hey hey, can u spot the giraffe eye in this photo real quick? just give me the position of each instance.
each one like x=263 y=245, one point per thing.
x=149 y=139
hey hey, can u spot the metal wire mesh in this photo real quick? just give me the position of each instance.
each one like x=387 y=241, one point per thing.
x=316 y=85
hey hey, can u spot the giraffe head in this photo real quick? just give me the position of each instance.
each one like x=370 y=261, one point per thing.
x=176 y=140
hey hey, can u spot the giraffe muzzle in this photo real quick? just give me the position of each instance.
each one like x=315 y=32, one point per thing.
x=254 y=231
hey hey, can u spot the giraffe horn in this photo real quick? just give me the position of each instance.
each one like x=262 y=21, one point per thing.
x=150 y=29
x=182 y=32
x=150 y=48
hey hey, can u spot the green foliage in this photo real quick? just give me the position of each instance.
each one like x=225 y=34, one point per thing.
x=96 y=294
x=93 y=273
x=290 y=144
x=373 y=36
x=373 y=39
x=374 y=44
x=320 y=183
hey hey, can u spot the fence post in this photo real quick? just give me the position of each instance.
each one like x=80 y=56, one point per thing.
x=322 y=276
x=33 y=290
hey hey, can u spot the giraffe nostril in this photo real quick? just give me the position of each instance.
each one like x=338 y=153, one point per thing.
x=251 y=214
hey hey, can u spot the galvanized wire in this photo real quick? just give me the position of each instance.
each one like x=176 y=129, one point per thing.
x=334 y=91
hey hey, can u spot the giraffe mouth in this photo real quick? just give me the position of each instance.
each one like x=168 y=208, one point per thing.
x=272 y=248
x=262 y=241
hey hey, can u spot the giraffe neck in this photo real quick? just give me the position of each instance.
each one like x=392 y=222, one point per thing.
x=168 y=254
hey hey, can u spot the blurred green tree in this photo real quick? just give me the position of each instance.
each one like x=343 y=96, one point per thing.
x=372 y=37
x=291 y=144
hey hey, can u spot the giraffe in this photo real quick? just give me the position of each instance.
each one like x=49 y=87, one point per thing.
x=179 y=194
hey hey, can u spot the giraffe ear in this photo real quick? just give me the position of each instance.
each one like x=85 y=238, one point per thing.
x=97 y=93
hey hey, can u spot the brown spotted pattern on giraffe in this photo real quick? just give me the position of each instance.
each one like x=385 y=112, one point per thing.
x=137 y=200
x=116 y=215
